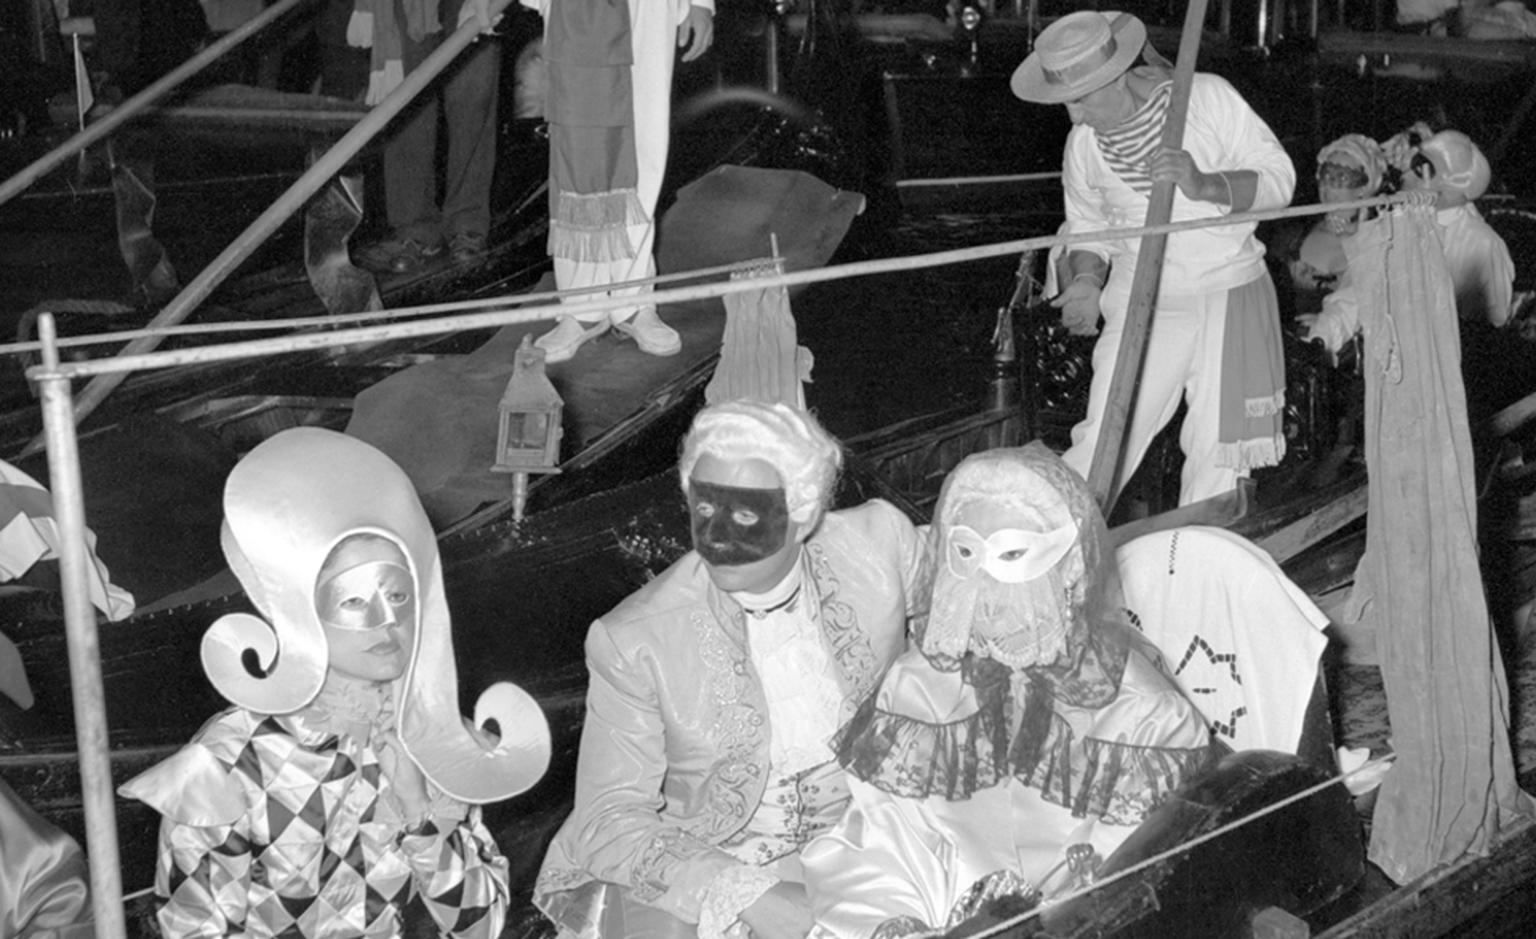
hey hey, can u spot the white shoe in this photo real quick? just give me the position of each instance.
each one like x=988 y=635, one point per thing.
x=561 y=343
x=650 y=333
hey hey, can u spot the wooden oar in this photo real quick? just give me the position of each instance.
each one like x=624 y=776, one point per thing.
x=1149 y=272
x=278 y=212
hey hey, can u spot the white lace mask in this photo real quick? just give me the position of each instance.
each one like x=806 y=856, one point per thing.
x=1009 y=555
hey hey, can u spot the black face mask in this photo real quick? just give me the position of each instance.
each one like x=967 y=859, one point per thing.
x=733 y=525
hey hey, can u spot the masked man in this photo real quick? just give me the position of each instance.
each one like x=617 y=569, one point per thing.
x=1024 y=738
x=705 y=764
x=343 y=782
x=1215 y=336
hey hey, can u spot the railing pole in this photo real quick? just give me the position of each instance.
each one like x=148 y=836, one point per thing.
x=140 y=102
x=289 y=202
x=86 y=689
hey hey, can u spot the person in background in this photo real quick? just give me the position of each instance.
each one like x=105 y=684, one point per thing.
x=1452 y=166
x=705 y=762
x=468 y=94
x=610 y=126
x=44 y=885
x=343 y=782
x=1026 y=735
x=1215 y=336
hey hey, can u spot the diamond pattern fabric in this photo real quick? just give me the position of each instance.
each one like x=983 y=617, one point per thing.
x=321 y=851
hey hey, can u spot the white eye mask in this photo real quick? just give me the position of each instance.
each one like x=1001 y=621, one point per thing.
x=1009 y=555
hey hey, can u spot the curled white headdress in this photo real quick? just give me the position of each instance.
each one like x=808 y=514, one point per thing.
x=287 y=504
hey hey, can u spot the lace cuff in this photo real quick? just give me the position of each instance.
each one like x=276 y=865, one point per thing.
x=732 y=891
x=904 y=927
x=908 y=757
x=1094 y=778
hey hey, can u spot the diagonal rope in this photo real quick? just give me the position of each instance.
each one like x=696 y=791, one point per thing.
x=999 y=928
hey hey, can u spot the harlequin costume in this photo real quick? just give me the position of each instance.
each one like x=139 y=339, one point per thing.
x=1024 y=738
x=279 y=818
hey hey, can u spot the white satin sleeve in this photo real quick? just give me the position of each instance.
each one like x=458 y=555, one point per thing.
x=888 y=856
x=882 y=860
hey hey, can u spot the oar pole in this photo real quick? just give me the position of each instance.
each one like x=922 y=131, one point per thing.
x=1144 y=283
x=141 y=102
x=288 y=203
x=86 y=689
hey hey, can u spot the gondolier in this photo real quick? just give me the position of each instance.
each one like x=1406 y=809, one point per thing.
x=1215 y=339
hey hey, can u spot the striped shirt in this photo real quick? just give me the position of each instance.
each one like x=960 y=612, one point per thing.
x=1128 y=148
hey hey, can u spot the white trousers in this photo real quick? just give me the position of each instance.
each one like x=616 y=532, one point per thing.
x=653 y=42
x=1183 y=360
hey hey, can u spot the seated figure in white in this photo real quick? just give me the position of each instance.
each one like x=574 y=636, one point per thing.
x=1027 y=733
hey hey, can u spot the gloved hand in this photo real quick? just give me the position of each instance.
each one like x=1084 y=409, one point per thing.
x=479 y=11
x=1079 y=305
x=696 y=33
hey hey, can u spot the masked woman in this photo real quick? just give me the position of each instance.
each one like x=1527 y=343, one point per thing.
x=343 y=782
x=1026 y=735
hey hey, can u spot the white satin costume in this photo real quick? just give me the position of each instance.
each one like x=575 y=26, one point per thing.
x=1026 y=736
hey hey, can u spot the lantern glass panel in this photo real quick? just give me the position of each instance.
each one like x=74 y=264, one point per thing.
x=527 y=431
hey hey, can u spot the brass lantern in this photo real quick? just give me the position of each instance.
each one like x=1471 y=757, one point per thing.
x=528 y=434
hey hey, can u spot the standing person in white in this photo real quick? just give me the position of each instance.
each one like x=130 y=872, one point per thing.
x=610 y=113
x=1215 y=336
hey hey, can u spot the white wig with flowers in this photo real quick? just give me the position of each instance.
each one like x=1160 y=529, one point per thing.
x=1459 y=165
x=790 y=440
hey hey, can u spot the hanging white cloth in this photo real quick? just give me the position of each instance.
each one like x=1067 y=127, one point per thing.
x=1240 y=638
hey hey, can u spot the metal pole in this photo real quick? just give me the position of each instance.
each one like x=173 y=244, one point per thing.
x=140 y=102
x=36 y=23
x=86 y=689
x=773 y=29
x=289 y=202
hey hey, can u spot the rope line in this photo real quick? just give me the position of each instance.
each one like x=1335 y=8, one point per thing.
x=604 y=304
x=311 y=322
x=998 y=928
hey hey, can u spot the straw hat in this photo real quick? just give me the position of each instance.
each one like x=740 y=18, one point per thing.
x=1077 y=54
